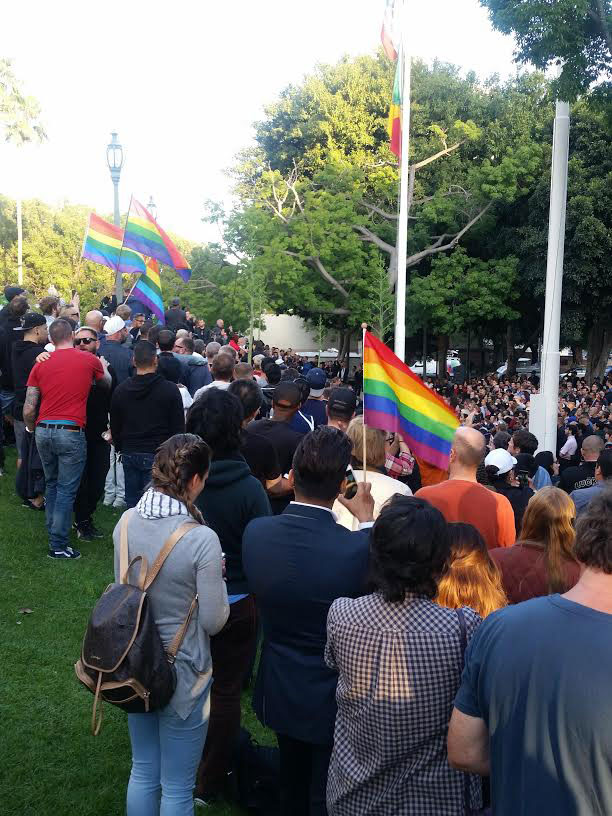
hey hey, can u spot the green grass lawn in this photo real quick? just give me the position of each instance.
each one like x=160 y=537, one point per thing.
x=51 y=764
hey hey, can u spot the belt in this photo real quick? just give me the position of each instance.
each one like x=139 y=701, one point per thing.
x=58 y=426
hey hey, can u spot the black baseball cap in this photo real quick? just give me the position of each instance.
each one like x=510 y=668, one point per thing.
x=288 y=393
x=342 y=403
x=11 y=292
x=30 y=321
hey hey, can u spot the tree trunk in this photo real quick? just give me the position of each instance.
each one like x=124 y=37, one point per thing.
x=510 y=351
x=498 y=351
x=442 y=346
x=598 y=349
x=577 y=355
x=344 y=344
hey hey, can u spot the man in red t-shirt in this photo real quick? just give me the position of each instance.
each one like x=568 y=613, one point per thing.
x=55 y=406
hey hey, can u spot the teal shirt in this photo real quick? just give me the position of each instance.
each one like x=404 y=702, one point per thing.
x=539 y=673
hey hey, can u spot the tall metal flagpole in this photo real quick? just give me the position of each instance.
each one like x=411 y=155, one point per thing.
x=549 y=388
x=364 y=328
x=402 y=227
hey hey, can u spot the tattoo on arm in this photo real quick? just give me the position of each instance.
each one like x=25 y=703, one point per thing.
x=30 y=406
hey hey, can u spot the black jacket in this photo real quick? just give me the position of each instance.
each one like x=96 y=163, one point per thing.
x=175 y=319
x=297 y=564
x=146 y=410
x=98 y=407
x=231 y=499
x=169 y=367
x=119 y=357
x=8 y=337
x=23 y=359
x=519 y=499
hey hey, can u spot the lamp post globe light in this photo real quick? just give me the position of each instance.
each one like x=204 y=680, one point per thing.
x=114 y=159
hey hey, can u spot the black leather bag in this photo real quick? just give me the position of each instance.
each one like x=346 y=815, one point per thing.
x=123 y=660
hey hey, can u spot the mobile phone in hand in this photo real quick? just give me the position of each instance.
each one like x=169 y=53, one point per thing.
x=351 y=484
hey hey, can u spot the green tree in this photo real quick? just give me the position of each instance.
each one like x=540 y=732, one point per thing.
x=586 y=318
x=318 y=192
x=576 y=33
x=20 y=121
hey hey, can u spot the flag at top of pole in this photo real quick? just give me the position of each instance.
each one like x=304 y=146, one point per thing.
x=143 y=233
x=390 y=34
x=396 y=46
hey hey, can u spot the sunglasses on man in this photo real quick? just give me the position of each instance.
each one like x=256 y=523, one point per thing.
x=86 y=340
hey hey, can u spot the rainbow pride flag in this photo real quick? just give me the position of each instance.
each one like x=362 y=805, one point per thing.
x=395 y=112
x=143 y=233
x=148 y=289
x=102 y=245
x=395 y=399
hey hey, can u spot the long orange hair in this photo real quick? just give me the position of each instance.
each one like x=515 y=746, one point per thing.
x=473 y=578
x=549 y=523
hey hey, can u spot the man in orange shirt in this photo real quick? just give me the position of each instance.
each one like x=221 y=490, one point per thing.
x=461 y=498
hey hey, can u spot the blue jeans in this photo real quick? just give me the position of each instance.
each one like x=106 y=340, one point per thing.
x=63 y=454
x=166 y=751
x=137 y=474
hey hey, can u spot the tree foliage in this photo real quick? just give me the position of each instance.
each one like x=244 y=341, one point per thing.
x=19 y=113
x=575 y=33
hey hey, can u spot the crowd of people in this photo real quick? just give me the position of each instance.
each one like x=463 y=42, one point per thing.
x=432 y=642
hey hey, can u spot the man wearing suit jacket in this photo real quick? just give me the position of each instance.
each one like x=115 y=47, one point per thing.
x=296 y=565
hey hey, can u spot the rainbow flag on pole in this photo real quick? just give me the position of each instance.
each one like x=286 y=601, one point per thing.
x=102 y=245
x=396 y=400
x=148 y=289
x=143 y=234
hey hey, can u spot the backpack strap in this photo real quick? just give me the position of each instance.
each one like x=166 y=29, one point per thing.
x=165 y=551
x=178 y=638
x=123 y=546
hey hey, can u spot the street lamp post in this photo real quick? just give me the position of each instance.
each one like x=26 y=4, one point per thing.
x=152 y=208
x=114 y=159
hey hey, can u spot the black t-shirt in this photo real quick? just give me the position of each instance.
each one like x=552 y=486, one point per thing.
x=575 y=478
x=261 y=457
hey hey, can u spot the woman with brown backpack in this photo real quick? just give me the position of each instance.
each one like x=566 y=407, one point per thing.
x=167 y=743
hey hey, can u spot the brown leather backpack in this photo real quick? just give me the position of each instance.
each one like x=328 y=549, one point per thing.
x=123 y=660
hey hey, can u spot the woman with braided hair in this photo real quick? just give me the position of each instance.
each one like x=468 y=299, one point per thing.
x=167 y=744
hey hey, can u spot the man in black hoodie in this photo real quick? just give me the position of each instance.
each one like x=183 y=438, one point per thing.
x=168 y=365
x=24 y=354
x=233 y=497
x=146 y=410
x=11 y=318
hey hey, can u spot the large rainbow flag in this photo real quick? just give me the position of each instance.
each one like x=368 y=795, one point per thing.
x=148 y=289
x=396 y=400
x=102 y=245
x=143 y=233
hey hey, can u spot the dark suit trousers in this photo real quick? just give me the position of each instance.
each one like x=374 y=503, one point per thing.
x=231 y=652
x=91 y=487
x=303 y=776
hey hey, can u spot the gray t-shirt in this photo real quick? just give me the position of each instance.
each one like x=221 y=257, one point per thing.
x=540 y=675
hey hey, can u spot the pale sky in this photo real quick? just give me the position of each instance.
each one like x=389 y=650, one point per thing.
x=182 y=82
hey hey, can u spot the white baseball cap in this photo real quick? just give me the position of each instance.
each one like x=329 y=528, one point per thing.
x=501 y=459
x=114 y=324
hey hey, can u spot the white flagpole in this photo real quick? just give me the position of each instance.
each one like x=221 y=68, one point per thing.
x=402 y=227
x=364 y=328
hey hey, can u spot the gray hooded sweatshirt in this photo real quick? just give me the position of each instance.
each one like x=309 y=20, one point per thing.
x=193 y=567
